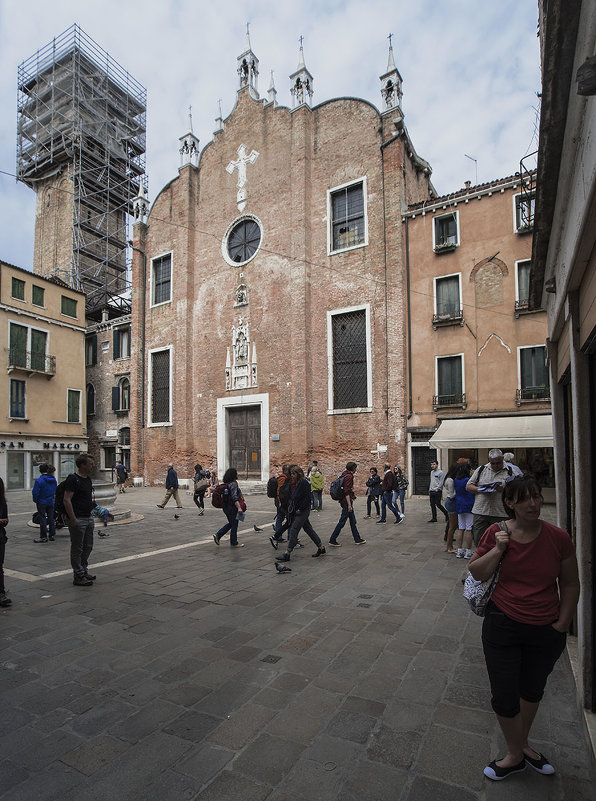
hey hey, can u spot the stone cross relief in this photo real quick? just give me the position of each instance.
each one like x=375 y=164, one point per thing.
x=240 y=165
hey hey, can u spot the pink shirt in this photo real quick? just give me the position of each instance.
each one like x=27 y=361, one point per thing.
x=527 y=589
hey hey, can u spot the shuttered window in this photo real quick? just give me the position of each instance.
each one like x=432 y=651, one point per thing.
x=350 y=388
x=160 y=386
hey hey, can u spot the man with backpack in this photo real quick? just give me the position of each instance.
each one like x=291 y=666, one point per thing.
x=386 y=498
x=487 y=483
x=78 y=503
x=347 y=509
x=44 y=492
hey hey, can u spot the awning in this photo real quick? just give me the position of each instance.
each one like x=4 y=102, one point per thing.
x=507 y=433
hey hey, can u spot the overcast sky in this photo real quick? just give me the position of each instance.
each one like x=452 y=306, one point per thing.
x=470 y=70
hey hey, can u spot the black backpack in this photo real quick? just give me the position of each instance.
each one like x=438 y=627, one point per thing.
x=272 y=487
x=336 y=489
x=285 y=494
x=59 y=499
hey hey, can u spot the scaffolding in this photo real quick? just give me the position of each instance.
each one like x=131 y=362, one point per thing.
x=82 y=115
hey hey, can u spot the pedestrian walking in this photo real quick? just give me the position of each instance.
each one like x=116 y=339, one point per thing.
x=201 y=481
x=451 y=524
x=347 y=508
x=121 y=476
x=300 y=511
x=435 y=492
x=78 y=504
x=373 y=492
x=487 y=484
x=171 y=488
x=400 y=485
x=232 y=506
x=464 y=502
x=282 y=500
x=317 y=482
x=387 y=496
x=527 y=618
x=5 y=601
x=44 y=494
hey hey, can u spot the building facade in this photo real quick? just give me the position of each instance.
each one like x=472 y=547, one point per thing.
x=42 y=406
x=268 y=287
x=564 y=283
x=477 y=369
x=107 y=390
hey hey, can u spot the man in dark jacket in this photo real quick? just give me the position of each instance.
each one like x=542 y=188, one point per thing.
x=171 y=488
x=78 y=504
x=44 y=493
x=347 y=509
x=386 y=498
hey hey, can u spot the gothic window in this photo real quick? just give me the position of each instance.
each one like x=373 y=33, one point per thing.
x=91 y=350
x=161 y=278
x=349 y=360
x=243 y=240
x=90 y=399
x=348 y=216
x=160 y=387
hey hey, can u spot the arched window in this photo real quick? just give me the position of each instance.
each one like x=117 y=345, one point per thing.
x=124 y=393
x=90 y=399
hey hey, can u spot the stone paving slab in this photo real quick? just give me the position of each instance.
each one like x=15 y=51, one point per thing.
x=195 y=672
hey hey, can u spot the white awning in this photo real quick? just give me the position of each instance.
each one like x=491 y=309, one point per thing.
x=506 y=433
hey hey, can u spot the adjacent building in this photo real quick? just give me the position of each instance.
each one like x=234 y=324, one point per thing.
x=477 y=367
x=42 y=405
x=564 y=283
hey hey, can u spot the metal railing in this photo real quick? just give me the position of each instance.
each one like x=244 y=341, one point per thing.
x=449 y=400
x=532 y=394
x=19 y=359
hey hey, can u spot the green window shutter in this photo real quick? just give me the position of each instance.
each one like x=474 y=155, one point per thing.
x=74 y=400
x=94 y=346
x=116 y=344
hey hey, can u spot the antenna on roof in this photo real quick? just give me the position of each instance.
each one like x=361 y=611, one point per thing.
x=475 y=165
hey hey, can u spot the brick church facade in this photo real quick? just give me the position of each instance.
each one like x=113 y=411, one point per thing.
x=269 y=300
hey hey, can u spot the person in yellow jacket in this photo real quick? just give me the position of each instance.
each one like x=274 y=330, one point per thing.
x=317 y=482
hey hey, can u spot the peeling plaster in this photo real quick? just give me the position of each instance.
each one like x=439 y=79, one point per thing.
x=496 y=336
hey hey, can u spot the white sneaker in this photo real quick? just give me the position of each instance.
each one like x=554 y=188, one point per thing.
x=468 y=554
x=460 y=553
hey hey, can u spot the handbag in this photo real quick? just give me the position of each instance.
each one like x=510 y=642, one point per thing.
x=478 y=593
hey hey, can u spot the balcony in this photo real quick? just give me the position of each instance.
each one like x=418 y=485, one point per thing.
x=30 y=362
x=532 y=395
x=445 y=247
x=451 y=317
x=449 y=401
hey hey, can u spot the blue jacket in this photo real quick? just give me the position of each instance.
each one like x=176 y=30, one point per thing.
x=172 y=479
x=44 y=490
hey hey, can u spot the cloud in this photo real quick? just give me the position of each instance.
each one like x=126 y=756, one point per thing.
x=470 y=70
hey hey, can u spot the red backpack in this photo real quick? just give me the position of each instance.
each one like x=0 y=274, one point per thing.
x=217 y=496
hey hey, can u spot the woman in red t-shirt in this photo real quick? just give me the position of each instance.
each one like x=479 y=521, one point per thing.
x=530 y=610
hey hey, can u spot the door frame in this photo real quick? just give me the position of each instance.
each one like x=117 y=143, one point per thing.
x=261 y=400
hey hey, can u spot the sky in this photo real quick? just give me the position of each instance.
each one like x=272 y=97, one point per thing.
x=470 y=72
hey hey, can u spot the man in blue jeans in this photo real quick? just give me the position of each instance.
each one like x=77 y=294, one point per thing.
x=386 y=497
x=347 y=509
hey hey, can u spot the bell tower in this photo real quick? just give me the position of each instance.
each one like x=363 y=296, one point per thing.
x=302 y=82
x=391 y=83
x=248 y=68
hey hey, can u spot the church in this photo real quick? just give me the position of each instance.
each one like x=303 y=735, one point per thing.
x=268 y=296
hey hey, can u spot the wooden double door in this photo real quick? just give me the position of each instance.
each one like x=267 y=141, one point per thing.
x=244 y=440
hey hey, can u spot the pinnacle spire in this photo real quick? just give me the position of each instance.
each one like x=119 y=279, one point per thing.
x=391 y=82
x=302 y=81
x=248 y=68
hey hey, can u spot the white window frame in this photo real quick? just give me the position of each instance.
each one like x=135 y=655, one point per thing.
x=125 y=329
x=516 y=228
x=230 y=228
x=330 y=192
x=463 y=371
x=30 y=328
x=333 y=313
x=441 y=216
x=80 y=393
x=525 y=347
x=150 y=423
x=440 y=278
x=517 y=264
x=153 y=305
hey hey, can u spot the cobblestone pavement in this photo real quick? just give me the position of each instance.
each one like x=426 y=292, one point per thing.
x=195 y=672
